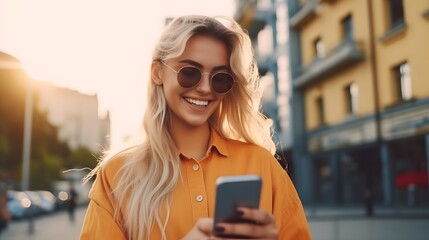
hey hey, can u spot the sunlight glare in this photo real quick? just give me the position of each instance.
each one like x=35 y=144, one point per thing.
x=95 y=47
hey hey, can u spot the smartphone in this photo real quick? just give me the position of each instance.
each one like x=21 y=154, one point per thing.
x=232 y=192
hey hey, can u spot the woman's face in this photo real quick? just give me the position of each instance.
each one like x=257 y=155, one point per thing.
x=192 y=107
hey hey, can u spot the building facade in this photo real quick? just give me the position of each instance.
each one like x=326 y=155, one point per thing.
x=76 y=115
x=361 y=100
x=266 y=23
x=354 y=105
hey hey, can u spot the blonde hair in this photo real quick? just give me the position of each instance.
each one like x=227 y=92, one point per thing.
x=152 y=169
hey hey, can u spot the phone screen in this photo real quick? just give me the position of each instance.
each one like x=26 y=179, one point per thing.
x=232 y=192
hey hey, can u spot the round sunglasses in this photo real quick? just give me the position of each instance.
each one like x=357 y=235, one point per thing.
x=190 y=76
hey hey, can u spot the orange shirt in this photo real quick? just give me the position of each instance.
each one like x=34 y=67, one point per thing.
x=194 y=197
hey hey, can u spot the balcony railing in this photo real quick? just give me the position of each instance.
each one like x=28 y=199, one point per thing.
x=345 y=54
x=304 y=14
x=397 y=30
x=253 y=16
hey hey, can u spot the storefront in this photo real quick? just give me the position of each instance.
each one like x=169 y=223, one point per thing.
x=351 y=166
x=406 y=133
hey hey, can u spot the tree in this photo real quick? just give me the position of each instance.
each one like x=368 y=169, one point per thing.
x=47 y=151
x=12 y=101
x=81 y=157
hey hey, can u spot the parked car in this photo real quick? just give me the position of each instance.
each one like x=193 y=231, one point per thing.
x=18 y=204
x=36 y=203
x=61 y=197
x=47 y=201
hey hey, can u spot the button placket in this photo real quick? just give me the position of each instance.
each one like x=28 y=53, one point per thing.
x=199 y=198
x=197 y=190
x=195 y=167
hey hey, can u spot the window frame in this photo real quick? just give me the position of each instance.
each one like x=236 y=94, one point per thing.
x=351 y=92
x=319 y=48
x=396 y=13
x=347 y=28
x=402 y=81
x=320 y=107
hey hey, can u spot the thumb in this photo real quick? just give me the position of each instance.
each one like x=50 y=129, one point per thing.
x=205 y=225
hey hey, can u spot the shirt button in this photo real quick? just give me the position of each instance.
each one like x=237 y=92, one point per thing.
x=199 y=198
x=195 y=167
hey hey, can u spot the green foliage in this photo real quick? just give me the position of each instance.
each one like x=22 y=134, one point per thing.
x=4 y=149
x=49 y=155
x=12 y=102
x=80 y=158
x=44 y=170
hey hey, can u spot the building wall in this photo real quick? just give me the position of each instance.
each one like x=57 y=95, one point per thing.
x=327 y=26
x=353 y=156
x=76 y=115
x=332 y=91
x=411 y=45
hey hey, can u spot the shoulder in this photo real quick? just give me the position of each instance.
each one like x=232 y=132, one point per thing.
x=107 y=175
x=233 y=147
x=245 y=147
x=251 y=154
x=110 y=167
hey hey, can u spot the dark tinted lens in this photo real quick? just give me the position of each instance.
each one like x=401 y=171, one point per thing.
x=188 y=77
x=222 y=82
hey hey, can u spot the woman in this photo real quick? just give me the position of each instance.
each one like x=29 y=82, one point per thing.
x=202 y=121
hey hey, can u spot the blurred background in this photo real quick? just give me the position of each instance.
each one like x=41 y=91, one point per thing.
x=346 y=83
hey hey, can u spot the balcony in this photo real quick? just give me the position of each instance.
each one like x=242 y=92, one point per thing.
x=304 y=14
x=396 y=31
x=344 y=55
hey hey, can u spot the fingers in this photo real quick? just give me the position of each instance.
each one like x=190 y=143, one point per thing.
x=250 y=230
x=263 y=229
x=205 y=225
x=260 y=217
x=201 y=230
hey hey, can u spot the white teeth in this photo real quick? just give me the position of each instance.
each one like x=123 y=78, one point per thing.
x=197 y=102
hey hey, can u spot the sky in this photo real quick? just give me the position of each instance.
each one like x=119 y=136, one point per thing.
x=98 y=47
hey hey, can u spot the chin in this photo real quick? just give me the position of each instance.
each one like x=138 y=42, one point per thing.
x=196 y=123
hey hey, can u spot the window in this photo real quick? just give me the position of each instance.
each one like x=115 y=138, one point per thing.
x=352 y=92
x=347 y=25
x=403 y=81
x=320 y=111
x=319 y=48
x=396 y=10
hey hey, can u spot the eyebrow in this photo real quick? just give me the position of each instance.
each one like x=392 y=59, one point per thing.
x=199 y=65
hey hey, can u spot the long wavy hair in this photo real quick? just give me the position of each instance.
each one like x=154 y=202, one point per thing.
x=151 y=169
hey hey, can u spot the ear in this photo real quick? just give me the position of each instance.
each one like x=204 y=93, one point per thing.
x=155 y=73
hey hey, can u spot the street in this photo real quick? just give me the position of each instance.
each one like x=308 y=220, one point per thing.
x=326 y=225
x=50 y=227
x=370 y=229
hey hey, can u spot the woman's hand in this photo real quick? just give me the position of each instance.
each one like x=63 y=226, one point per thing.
x=201 y=230
x=265 y=227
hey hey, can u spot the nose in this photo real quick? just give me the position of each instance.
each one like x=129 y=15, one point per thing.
x=204 y=84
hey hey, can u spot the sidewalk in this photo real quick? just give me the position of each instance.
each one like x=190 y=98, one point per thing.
x=351 y=223
x=325 y=224
x=319 y=212
x=50 y=227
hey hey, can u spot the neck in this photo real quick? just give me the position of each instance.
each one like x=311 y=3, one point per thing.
x=191 y=141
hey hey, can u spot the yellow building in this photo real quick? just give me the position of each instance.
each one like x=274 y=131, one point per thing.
x=360 y=77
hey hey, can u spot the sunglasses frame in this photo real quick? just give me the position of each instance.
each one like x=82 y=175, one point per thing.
x=202 y=74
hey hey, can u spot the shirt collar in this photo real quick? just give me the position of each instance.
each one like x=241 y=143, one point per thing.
x=217 y=142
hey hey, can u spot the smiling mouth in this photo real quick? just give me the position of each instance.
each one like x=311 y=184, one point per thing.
x=197 y=102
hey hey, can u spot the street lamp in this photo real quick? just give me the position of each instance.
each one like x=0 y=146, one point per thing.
x=26 y=149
